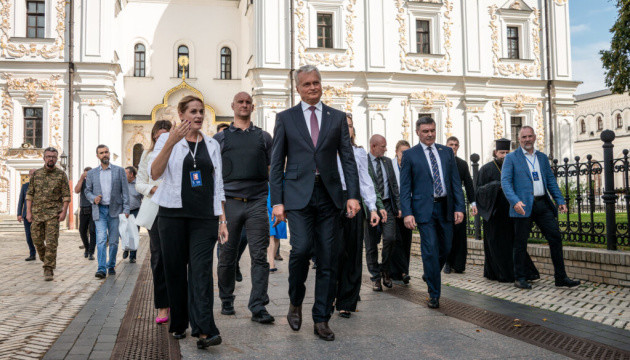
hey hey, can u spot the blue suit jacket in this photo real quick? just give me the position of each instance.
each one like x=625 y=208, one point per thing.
x=21 y=210
x=416 y=184
x=518 y=185
x=119 y=199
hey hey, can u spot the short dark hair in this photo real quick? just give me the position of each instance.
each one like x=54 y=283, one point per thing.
x=222 y=126
x=87 y=169
x=100 y=147
x=50 y=149
x=425 y=120
x=132 y=170
x=452 y=138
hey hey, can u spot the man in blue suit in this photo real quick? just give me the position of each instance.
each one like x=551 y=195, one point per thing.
x=21 y=210
x=527 y=182
x=431 y=198
x=106 y=188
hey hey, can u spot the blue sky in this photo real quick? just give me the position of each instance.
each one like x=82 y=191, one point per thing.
x=591 y=21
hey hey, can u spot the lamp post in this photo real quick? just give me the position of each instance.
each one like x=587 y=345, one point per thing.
x=64 y=161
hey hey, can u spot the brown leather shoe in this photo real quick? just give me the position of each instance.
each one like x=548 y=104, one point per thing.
x=387 y=281
x=323 y=331
x=376 y=285
x=294 y=317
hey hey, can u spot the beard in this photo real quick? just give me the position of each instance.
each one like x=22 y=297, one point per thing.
x=105 y=161
x=50 y=164
x=499 y=162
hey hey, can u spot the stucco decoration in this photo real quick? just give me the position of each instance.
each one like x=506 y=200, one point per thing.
x=431 y=99
x=332 y=93
x=138 y=136
x=31 y=86
x=518 y=103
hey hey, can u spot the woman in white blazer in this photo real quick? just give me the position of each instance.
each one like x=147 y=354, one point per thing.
x=147 y=187
x=191 y=218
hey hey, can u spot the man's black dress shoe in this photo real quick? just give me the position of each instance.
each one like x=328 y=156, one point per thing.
x=238 y=277
x=434 y=303
x=203 y=343
x=406 y=278
x=263 y=317
x=567 y=282
x=294 y=317
x=30 y=258
x=345 y=314
x=132 y=260
x=424 y=278
x=522 y=284
x=447 y=268
x=323 y=331
x=100 y=275
x=86 y=254
x=111 y=271
x=376 y=285
x=91 y=257
x=227 y=308
x=387 y=281
x=125 y=254
x=179 y=335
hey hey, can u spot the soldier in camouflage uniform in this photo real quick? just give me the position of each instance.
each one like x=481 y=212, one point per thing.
x=47 y=201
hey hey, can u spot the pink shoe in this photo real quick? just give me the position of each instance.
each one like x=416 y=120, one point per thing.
x=162 y=320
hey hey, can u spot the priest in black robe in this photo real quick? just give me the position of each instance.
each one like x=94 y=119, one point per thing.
x=498 y=227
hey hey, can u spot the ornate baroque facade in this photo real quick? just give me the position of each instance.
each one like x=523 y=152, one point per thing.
x=474 y=76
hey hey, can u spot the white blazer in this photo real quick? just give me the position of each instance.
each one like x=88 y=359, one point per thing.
x=169 y=195
x=366 y=185
x=144 y=183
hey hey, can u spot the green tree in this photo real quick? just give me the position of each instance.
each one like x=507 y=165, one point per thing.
x=616 y=61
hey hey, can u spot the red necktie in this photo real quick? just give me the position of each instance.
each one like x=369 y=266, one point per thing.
x=314 y=126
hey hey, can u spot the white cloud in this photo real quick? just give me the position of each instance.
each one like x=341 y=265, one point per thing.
x=579 y=28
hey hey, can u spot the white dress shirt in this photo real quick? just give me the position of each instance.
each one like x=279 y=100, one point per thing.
x=539 y=187
x=396 y=170
x=385 y=177
x=105 y=176
x=436 y=153
x=170 y=194
x=307 y=114
x=366 y=186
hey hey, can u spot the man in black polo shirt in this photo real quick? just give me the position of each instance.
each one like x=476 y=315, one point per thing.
x=86 y=223
x=246 y=154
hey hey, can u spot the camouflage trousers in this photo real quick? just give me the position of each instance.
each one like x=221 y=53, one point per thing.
x=46 y=238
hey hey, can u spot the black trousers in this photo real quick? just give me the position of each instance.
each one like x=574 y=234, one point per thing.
x=188 y=245
x=132 y=253
x=160 y=294
x=315 y=226
x=252 y=216
x=350 y=262
x=241 y=248
x=388 y=231
x=459 y=250
x=86 y=224
x=544 y=216
x=401 y=255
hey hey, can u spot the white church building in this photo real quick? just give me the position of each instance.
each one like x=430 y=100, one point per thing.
x=75 y=74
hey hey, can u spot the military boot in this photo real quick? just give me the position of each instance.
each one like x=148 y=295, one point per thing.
x=48 y=274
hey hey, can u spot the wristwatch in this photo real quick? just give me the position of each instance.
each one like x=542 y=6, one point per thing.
x=223 y=222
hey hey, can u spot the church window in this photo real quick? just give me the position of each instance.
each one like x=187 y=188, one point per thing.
x=513 y=42
x=600 y=124
x=35 y=19
x=182 y=51
x=423 y=36
x=324 y=30
x=226 y=63
x=582 y=127
x=139 y=60
x=619 y=121
x=516 y=123
x=33 y=126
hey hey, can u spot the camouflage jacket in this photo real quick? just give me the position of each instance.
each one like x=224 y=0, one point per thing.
x=48 y=190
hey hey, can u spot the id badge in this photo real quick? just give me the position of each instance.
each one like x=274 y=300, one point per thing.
x=195 y=178
x=535 y=176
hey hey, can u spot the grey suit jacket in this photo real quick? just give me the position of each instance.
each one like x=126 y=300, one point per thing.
x=119 y=200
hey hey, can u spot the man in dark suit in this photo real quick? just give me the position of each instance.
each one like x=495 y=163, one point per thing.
x=311 y=193
x=385 y=184
x=431 y=198
x=21 y=211
x=527 y=181
x=456 y=260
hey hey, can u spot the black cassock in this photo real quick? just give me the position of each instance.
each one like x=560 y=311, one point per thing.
x=498 y=227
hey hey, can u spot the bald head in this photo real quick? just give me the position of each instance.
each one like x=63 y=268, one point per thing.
x=378 y=145
x=243 y=106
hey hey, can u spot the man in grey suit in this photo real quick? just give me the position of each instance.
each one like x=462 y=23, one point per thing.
x=106 y=188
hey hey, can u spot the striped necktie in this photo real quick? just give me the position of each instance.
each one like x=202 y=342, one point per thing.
x=438 y=190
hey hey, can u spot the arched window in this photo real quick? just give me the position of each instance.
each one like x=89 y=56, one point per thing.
x=137 y=154
x=600 y=124
x=139 y=60
x=183 y=51
x=619 y=121
x=226 y=63
x=582 y=126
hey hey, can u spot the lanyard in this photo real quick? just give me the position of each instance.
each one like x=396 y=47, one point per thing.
x=532 y=163
x=193 y=154
x=495 y=164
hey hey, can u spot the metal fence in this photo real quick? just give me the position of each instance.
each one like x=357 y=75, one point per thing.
x=596 y=215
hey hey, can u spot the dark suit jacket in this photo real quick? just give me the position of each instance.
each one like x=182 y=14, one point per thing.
x=464 y=176
x=416 y=184
x=394 y=194
x=293 y=147
x=21 y=210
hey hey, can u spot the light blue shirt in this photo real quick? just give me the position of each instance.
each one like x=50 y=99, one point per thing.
x=436 y=153
x=135 y=198
x=375 y=163
x=539 y=187
x=106 y=184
